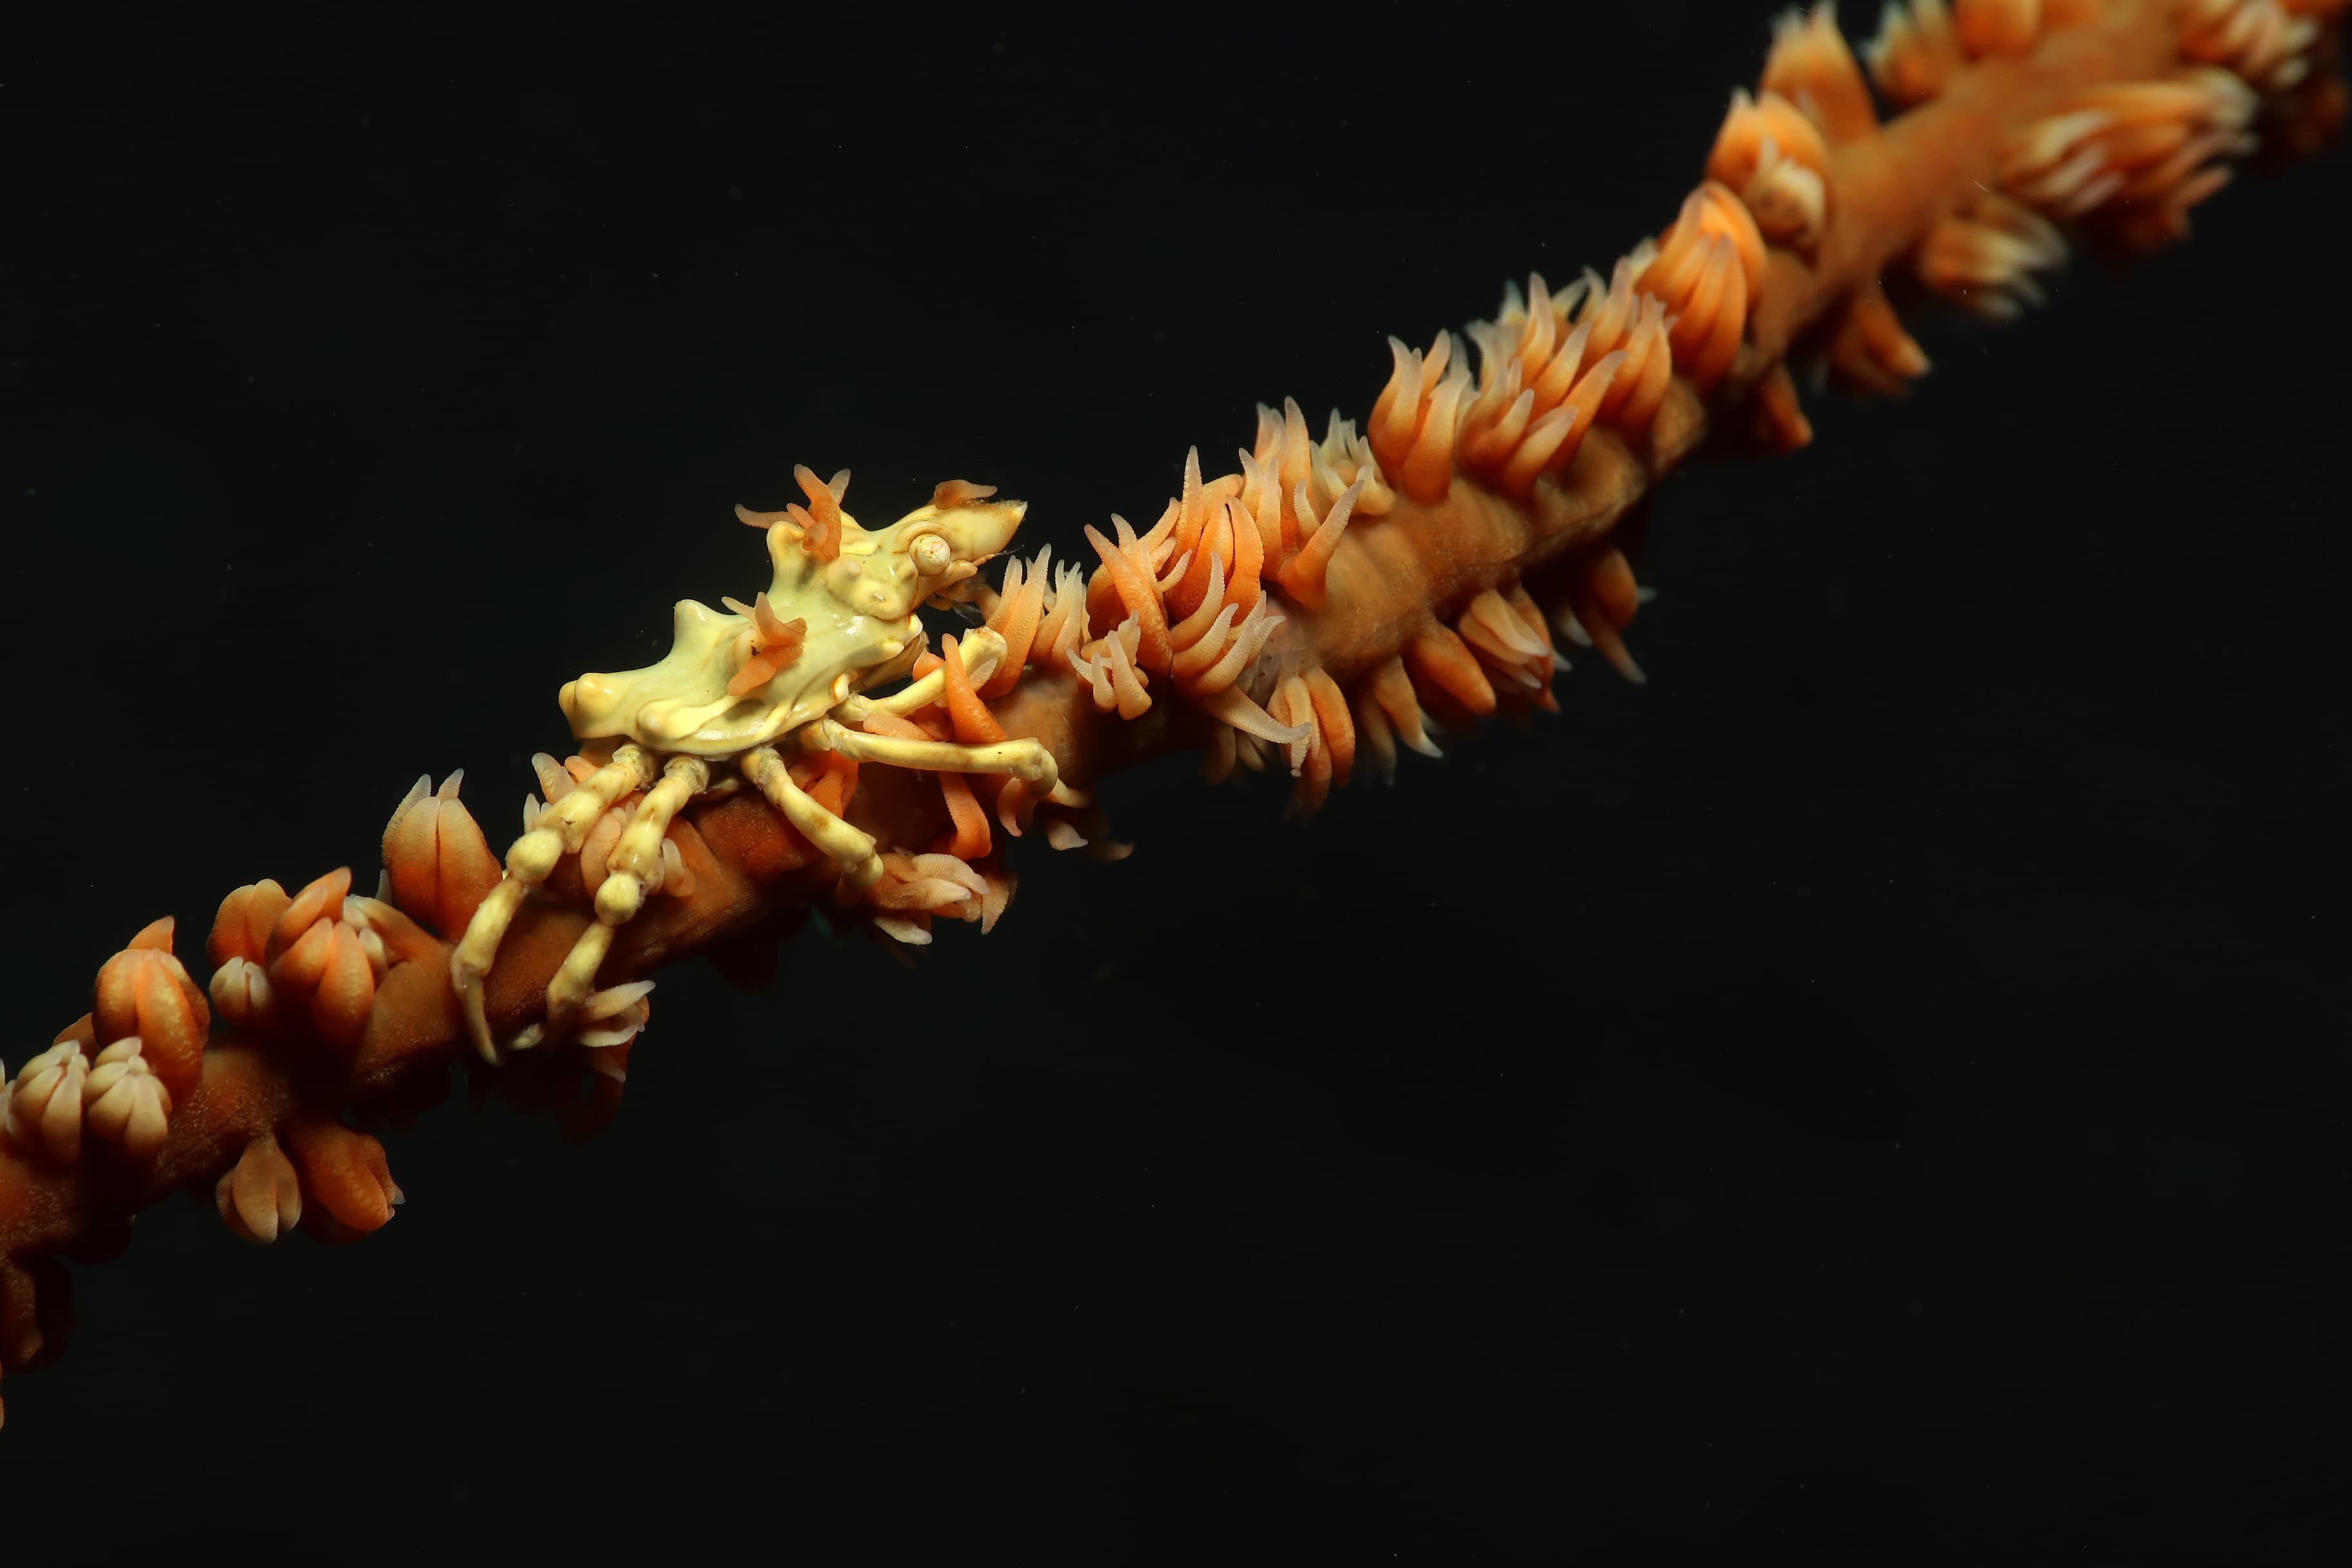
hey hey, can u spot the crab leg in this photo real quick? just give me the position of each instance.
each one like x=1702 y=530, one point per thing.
x=575 y=980
x=1025 y=759
x=560 y=828
x=851 y=848
x=470 y=960
x=983 y=651
x=634 y=870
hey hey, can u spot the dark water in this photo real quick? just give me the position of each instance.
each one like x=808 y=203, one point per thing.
x=1880 y=1090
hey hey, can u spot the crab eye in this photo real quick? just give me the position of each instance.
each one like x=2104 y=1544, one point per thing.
x=931 y=554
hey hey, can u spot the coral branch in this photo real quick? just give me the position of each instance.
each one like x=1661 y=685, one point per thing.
x=1328 y=596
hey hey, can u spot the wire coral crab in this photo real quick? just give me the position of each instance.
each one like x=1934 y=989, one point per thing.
x=746 y=689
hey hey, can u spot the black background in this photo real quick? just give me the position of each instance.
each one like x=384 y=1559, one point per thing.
x=1879 y=1090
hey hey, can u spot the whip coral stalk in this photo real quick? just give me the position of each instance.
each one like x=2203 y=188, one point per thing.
x=1332 y=598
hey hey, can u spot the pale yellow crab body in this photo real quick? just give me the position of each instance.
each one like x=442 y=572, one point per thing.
x=861 y=629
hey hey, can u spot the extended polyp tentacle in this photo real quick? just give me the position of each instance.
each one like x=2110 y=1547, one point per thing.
x=984 y=652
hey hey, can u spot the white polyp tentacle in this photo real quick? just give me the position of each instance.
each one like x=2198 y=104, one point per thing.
x=125 y=1102
x=45 y=1107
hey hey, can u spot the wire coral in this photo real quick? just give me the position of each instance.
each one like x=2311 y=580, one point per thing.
x=1311 y=611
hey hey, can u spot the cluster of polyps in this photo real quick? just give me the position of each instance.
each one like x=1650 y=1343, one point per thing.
x=118 y=1070
x=154 y=1026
